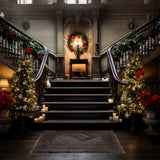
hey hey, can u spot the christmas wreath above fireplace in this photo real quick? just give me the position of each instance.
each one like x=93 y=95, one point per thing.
x=78 y=43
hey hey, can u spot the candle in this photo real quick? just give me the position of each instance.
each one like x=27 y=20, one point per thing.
x=46 y=109
x=48 y=84
x=41 y=118
x=36 y=120
x=43 y=115
x=120 y=120
x=43 y=110
x=110 y=118
x=110 y=100
x=44 y=106
x=114 y=114
x=116 y=118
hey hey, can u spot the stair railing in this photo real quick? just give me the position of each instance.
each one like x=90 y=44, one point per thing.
x=140 y=41
x=143 y=39
x=17 y=43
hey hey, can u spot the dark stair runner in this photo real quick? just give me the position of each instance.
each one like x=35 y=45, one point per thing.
x=78 y=104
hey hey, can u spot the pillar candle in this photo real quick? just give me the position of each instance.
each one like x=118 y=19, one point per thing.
x=110 y=100
x=36 y=120
x=110 y=118
x=116 y=118
x=48 y=84
x=43 y=110
x=120 y=120
x=114 y=114
x=46 y=109
x=44 y=106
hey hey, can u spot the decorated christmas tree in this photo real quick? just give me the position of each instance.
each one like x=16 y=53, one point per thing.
x=133 y=78
x=23 y=91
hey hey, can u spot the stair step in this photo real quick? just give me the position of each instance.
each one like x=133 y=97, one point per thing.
x=76 y=121
x=79 y=111
x=77 y=103
x=79 y=83
x=76 y=95
x=78 y=90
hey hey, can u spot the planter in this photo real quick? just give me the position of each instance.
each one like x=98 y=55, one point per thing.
x=4 y=113
x=151 y=123
x=150 y=115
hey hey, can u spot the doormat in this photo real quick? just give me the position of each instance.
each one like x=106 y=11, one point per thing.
x=77 y=142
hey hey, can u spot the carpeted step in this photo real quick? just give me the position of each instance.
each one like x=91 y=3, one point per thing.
x=79 y=83
x=78 y=114
x=76 y=97
x=78 y=90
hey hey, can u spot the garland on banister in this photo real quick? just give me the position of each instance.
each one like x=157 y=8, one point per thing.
x=133 y=44
x=78 y=37
x=30 y=46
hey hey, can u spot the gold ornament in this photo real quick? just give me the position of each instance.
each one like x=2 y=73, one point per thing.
x=20 y=96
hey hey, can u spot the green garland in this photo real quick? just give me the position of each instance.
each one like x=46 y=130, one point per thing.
x=132 y=44
x=84 y=42
x=12 y=36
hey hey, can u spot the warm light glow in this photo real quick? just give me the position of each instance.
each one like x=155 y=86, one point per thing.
x=77 y=43
x=4 y=84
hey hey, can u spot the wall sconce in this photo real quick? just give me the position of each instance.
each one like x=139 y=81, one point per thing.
x=4 y=85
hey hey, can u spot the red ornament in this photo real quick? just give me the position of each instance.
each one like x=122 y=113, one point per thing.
x=149 y=33
x=39 y=57
x=29 y=51
x=10 y=35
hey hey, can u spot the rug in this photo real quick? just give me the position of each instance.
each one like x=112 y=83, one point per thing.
x=77 y=142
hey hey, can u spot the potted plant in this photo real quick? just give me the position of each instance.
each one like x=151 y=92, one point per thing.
x=6 y=101
x=151 y=103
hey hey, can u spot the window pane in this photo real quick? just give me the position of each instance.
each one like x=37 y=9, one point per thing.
x=24 y=1
x=82 y=1
x=71 y=1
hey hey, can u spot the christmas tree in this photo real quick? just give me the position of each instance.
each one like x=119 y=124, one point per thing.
x=133 y=78
x=23 y=91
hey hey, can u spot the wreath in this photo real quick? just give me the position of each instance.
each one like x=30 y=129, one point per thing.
x=83 y=43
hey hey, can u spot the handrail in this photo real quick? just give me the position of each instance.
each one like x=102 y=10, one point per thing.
x=107 y=50
x=40 y=71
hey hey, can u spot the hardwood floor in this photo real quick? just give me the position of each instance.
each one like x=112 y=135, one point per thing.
x=138 y=146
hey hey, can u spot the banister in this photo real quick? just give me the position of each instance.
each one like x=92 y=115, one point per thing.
x=107 y=50
x=40 y=71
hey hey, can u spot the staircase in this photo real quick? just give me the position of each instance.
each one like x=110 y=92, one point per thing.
x=78 y=104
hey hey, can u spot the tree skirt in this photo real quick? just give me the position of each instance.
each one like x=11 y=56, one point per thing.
x=77 y=142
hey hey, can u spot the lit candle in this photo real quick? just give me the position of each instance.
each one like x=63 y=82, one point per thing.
x=44 y=106
x=46 y=109
x=114 y=114
x=43 y=115
x=120 y=120
x=48 y=84
x=40 y=118
x=110 y=100
x=116 y=118
x=111 y=118
x=43 y=110
x=36 y=120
